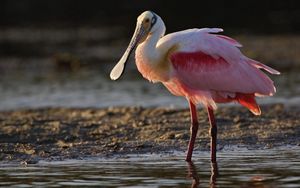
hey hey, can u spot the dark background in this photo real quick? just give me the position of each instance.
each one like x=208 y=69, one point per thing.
x=60 y=52
x=255 y=16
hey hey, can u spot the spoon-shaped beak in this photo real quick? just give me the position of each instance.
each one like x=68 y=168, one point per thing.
x=118 y=70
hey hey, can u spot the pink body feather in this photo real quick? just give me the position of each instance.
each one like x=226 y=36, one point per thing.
x=209 y=68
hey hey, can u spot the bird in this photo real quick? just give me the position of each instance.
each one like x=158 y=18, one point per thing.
x=201 y=65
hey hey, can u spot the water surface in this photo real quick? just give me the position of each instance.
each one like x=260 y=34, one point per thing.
x=238 y=167
x=93 y=88
x=38 y=68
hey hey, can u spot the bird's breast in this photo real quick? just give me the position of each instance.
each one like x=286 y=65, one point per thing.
x=154 y=70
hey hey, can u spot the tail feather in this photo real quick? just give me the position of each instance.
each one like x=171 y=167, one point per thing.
x=248 y=101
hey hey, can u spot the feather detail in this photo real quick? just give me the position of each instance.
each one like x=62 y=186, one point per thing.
x=248 y=101
x=230 y=40
x=262 y=66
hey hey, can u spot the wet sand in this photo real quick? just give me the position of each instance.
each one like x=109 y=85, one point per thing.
x=30 y=135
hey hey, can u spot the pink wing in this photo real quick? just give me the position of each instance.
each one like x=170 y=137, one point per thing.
x=211 y=62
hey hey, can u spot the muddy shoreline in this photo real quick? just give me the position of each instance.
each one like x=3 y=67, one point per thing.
x=30 y=135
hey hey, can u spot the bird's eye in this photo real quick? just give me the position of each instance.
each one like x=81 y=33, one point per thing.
x=147 y=20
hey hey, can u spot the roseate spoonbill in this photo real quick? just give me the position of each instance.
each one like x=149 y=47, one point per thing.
x=200 y=65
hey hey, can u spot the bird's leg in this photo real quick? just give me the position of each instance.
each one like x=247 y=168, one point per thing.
x=213 y=135
x=194 y=129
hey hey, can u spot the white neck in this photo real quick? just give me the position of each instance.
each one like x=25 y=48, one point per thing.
x=149 y=46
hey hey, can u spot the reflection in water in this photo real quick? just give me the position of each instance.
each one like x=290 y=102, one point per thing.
x=214 y=174
x=242 y=168
x=192 y=173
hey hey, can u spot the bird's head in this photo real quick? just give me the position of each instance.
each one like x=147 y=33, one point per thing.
x=147 y=24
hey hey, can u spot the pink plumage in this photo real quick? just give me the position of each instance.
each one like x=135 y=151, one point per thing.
x=201 y=66
x=209 y=69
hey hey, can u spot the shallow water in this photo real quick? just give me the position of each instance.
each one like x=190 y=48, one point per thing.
x=33 y=72
x=93 y=88
x=237 y=167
